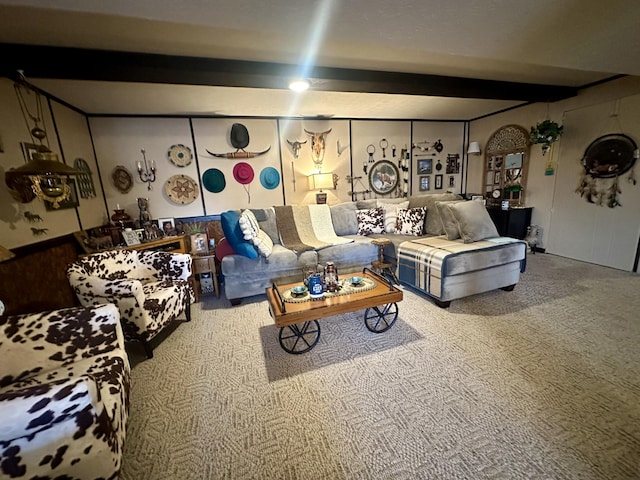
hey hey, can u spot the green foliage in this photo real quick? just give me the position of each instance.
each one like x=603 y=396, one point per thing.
x=546 y=132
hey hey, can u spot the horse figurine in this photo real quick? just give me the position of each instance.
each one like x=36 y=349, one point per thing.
x=32 y=217
x=39 y=231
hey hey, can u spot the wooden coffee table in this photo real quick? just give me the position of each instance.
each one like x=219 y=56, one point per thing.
x=298 y=322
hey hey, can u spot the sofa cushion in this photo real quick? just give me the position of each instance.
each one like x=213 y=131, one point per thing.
x=411 y=221
x=449 y=223
x=343 y=216
x=370 y=220
x=281 y=260
x=230 y=222
x=391 y=213
x=365 y=204
x=432 y=223
x=350 y=256
x=474 y=222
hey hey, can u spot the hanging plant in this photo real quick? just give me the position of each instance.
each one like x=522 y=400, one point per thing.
x=545 y=133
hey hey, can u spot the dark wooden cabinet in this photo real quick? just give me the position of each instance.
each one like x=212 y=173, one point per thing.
x=512 y=222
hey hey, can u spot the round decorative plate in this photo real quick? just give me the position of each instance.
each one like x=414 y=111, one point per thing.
x=181 y=189
x=122 y=179
x=180 y=155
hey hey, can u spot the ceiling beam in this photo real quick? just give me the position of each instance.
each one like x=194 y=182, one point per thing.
x=37 y=61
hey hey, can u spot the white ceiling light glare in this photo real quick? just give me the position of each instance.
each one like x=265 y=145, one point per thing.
x=299 y=85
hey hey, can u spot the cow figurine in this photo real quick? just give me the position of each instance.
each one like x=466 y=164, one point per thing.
x=317 y=145
x=296 y=146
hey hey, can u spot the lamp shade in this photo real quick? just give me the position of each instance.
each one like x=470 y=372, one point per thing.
x=45 y=163
x=5 y=254
x=474 y=148
x=318 y=181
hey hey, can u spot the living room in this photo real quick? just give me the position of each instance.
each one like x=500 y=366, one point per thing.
x=573 y=230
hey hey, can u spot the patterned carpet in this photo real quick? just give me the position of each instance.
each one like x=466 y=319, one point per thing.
x=542 y=382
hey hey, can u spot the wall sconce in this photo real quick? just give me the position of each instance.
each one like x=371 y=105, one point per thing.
x=147 y=171
x=318 y=181
x=474 y=148
x=46 y=175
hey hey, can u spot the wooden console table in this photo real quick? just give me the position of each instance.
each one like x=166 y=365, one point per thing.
x=175 y=244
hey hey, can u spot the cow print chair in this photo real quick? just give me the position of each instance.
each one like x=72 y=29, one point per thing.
x=64 y=394
x=151 y=289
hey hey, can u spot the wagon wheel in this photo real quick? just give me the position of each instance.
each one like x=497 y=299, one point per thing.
x=299 y=338
x=381 y=319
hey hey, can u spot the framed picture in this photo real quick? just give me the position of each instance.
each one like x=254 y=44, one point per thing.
x=496 y=177
x=130 y=237
x=383 y=177
x=424 y=183
x=425 y=167
x=167 y=225
x=438 y=184
x=28 y=149
x=70 y=202
x=452 y=181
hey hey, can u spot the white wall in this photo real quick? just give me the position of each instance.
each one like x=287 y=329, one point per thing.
x=572 y=227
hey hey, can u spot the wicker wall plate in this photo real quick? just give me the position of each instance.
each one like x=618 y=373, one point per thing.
x=181 y=189
x=122 y=179
x=180 y=155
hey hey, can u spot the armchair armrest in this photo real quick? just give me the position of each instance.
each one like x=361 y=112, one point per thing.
x=168 y=266
x=55 y=339
x=34 y=408
x=87 y=287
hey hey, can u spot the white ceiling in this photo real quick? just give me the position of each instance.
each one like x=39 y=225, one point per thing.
x=554 y=42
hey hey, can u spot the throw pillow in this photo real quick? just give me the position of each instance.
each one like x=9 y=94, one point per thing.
x=223 y=248
x=263 y=243
x=370 y=221
x=230 y=221
x=474 y=222
x=391 y=213
x=432 y=223
x=248 y=224
x=411 y=221
x=449 y=222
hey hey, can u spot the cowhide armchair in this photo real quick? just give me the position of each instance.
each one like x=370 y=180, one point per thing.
x=150 y=288
x=64 y=394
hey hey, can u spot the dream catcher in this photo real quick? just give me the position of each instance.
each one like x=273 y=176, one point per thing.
x=605 y=160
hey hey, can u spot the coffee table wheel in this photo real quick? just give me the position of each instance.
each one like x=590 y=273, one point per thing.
x=380 y=319
x=300 y=337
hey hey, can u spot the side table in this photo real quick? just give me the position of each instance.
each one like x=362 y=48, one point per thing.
x=205 y=273
x=380 y=266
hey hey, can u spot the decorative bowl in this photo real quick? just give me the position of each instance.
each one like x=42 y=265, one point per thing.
x=299 y=291
x=355 y=281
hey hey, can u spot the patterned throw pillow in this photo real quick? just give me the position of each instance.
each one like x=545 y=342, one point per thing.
x=263 y=243
x=370 y=221
x=249 y=225
x=251 y=231
x=391 y=213
x=411 y=221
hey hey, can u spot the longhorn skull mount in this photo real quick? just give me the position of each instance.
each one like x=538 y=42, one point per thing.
x=296 y=146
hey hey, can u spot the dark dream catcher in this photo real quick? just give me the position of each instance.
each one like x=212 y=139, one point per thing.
x=605 y=160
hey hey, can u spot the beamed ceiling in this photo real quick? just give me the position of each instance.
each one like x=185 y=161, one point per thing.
x=447 y=60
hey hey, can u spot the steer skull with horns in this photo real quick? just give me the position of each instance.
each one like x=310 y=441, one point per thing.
x=296 y=146
x=317 y=145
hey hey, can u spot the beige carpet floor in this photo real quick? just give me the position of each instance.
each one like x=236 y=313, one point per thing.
x=542 y=383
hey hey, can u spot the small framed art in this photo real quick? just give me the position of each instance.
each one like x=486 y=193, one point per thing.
x=438 y=182
x=424 y=183
x=167 y=225
x=130 y=237
x=425 y=167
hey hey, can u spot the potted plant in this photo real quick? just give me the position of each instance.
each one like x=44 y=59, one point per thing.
x=545 y=133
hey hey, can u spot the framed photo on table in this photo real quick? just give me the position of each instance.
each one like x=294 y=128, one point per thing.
x=130 y=237
x=167 y=225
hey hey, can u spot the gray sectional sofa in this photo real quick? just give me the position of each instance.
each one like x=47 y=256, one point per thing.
x=244 y=277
